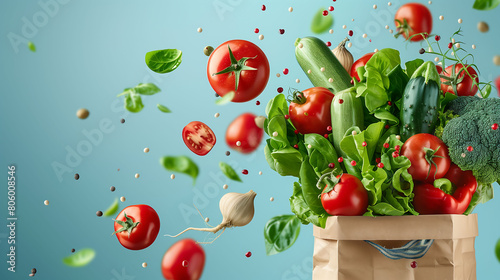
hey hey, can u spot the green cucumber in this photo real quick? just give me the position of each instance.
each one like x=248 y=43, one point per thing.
x=346 y=112
x=313 y=56
x=420 y=102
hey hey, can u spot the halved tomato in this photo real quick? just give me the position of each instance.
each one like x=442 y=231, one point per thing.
x=198 y=137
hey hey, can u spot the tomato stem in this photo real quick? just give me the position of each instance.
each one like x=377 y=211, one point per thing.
x=128 y=225
x=429 y=157
x=298 y=97
x=236 y=67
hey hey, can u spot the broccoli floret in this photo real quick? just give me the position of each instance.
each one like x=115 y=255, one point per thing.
x=458 y=105
x=473 y=129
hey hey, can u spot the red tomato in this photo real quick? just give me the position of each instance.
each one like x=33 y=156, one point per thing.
x=248 y=71
x=183 y=261
x=310 y=110
x=422 y=149
x=198 y=137
x=413 y=18
x=465 y=86
x=359 y=63
x=497 y=83
x=348 y=197
x=137 y=226
x=244 y=130
x=439 y=69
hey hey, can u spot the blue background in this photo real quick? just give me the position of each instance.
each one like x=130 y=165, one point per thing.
x=89 y=51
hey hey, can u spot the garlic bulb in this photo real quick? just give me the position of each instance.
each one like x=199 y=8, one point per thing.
x=237 y=210
x=343 y=55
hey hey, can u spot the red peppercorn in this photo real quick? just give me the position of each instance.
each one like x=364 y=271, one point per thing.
x=331 y=8
x=341 y=101
x=395 y=154
x=380 y=165
x=331 y=165
x=326 y=136
x=296 y=146
x=285 y=71
x=397 y=148
x=377 y=160
x=351 y=32
x=296 y=131
x=352 y=82
x=287 y=117
x=325 y=13
x=413 y=264
x=450 y=45
x=282 y=31
x=353 y=163
x=329 y=128
x=470 y=149
x=340 y=159
x=386 y=145
x=263 y=7
x=364 y=143
x=328 y=44
x=437 y=38
x=257 y=102
x=248 y=254
x=256 y=30
x=386 y=126
x=280 y=90
x=389 y=103
x=494 y=126
x=244 y=172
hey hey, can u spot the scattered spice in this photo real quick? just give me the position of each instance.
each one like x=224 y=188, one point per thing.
x=82 y=113
x=99 y=213
x=77 y=176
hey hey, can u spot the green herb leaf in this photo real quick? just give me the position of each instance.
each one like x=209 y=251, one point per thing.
x=164 y=61
x=280 y=233
x=300 y=208
x=321 y=23
x=133 y=102
x=310 y=192
x=80 y=258
x=229 y=171
x=112 y=209
x=162 y=108
x=181 y=164
x=287 y=161
x=413 y=65
x=31 y=46
x=225 y=99
x=485 y=5
x=277 y=106
x=146 y=89
x=497 y=250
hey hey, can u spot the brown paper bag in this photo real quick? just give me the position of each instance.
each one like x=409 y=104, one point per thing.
x=341 y=252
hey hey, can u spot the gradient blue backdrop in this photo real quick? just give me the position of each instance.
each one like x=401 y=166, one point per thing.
x=89 y=51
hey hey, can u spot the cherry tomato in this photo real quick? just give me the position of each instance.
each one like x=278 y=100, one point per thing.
x=463 y=81
x=183 y=261
x=439 y=69
x=422 y=149
x=348 y=197
x=497 y=83
x=137 y=226
x=359 y=63
x=413 y=18
x=310 y=110
x=246 y=73
x=244 y=131
x=198 y=137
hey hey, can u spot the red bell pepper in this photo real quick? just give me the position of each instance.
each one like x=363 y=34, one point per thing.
x=449 y=195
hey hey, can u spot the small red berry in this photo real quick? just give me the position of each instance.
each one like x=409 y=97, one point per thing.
x=263 y=7
x=413 y=264
x=285 y=71
x=352 y=82
x=386 y=126
x=437 y=38
x=397 y=148
x=380 y=165
x=494 y=126
x=282 y=31
x=296 y=146
x=370 y=40
x=340 y=159
x=328 y=44
x=389 y=103
x=386 y=145
x=395 y=154
x=248 y=254
x=450 y=45
x=329 y=128
x=287 y=117
x=351 y=32
x=326 y=136
x=325 y=13
x=256 y=30
x=296 y=131
x=364 y=143
x=470 y=149
x=280 y=90
x=331 y=8
x=331 y=165
x=244 y=172
x=353 y=163
x=341 y=101
x=377 y=160
x=257 y=102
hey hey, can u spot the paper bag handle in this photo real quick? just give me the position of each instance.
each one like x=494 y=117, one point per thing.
x=414 y=249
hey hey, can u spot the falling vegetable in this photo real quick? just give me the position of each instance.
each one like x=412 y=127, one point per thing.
x=343 y=55
x=237 y=210
x=31 y=46
x=80 y=258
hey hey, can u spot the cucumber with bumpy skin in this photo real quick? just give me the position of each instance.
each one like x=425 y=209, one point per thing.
x=314 y=56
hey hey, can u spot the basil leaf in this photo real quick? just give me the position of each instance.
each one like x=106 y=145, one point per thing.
x=146 y=89
x=112 y=209
x=225 y=99
x=321 y=23
x=300 y=208
x=80 y=258
x=31 y=46
x=277 y=107
x=162 y=108
x=229 y=171
x=287 y=161
x=311 y=193
x=485 y=5
x=164 y=61
x=181 y=164
x=280 y=233
x=133 y=102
